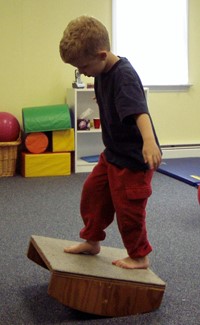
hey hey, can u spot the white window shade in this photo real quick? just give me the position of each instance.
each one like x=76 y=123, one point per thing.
x=153 y=35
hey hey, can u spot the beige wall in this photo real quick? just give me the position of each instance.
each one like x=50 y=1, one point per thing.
x=32 y=73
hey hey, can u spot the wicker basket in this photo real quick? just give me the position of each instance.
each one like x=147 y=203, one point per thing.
x=8 y=157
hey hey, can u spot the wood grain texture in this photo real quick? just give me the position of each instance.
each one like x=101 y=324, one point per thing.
x=119 y=294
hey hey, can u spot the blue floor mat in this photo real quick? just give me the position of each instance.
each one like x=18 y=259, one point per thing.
x=91 y=159
x=184 y=169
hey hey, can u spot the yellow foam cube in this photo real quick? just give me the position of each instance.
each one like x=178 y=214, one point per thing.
x=46 y=164
x=63 y=140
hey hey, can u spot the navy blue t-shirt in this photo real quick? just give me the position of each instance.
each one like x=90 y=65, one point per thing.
x=120 y=96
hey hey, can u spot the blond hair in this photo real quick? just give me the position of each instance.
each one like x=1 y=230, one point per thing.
x=84 y=37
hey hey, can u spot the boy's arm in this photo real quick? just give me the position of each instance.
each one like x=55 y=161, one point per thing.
x=150 y=151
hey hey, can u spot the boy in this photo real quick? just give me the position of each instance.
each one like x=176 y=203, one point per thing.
x=121 y=181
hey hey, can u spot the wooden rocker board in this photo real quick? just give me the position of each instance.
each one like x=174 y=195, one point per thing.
x=92 y=284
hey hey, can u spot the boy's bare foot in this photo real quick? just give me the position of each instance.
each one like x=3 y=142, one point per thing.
x=87 y=247
x=130 y=263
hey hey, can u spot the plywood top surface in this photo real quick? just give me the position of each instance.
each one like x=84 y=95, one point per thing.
x=52 y=252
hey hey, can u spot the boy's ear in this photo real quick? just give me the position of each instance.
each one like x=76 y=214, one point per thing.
x=102 y=55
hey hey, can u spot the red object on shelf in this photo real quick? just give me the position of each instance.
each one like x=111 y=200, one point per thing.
x=97 y=123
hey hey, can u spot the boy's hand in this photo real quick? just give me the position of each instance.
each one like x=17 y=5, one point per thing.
x=151 y=154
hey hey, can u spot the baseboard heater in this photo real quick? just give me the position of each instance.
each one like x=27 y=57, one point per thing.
x=180 y=151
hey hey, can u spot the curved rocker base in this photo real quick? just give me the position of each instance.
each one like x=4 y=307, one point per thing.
x=92 y=284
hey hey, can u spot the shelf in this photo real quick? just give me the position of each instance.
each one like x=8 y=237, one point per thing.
x=92 y=130
x=87 y=142
x=83 y=166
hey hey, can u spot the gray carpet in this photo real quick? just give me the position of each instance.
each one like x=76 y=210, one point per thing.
x=50 y=207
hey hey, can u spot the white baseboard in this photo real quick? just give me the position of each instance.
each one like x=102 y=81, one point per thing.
x=180 y=151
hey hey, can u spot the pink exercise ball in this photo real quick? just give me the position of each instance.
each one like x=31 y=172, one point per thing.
x=9 y=127
x=199 y=193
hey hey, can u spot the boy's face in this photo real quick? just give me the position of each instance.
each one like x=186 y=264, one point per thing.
x=91 y=67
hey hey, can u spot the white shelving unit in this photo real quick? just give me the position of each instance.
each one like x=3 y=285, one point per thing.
x=87 y=142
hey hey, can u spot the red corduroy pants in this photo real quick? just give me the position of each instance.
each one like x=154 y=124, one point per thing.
x=109 y=190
